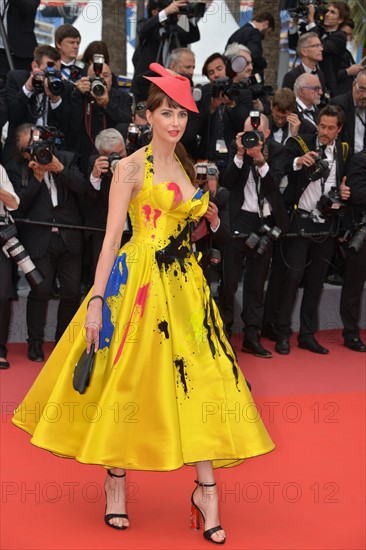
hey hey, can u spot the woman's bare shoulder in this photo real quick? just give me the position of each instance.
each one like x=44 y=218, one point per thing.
x=131 y=168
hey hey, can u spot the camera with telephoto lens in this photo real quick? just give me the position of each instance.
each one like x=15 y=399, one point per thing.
x=251 y=138
x=330 y=204
x=260 y=243
x=43 y=142
x=137 y=136
x=14 y=249
x=358 y=239
x=301 y=10
x=54 y=79
x=97 y=84
x=75 y=70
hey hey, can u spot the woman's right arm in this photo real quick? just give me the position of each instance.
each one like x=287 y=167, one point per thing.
x=125 y=184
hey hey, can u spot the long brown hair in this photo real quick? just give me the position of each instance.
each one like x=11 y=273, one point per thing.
x=155 y=99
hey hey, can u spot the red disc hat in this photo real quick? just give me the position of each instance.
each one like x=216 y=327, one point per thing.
x=174 y=85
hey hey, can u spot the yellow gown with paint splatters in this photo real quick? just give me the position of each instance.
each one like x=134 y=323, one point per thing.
x=166 y=388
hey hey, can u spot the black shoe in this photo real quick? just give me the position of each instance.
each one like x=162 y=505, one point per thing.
x=35 y=351
x=4 y=364
x=254 y=347
x=283 y=347
x=268 y=332
x=355 y=344
x=334 y=279
x=312 y=345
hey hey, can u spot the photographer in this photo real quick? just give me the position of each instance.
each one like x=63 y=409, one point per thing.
x=213 y=230
x=39 y=97
x=332 y=37
x=308 y=92
x=9 y=201
x=225 y=103
x=159 y=35
x=48 y=183
x=253 y=176
x=354 y=193
x=97 y=106
x=316 y=166
x=111 y=148
x=251 y=35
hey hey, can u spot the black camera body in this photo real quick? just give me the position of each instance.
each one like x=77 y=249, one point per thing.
x=75 y=70
x=137 y=136
x=97 y=83
x=251 y=138
x=259 y=243
x=113 y=158
x=330 y=204
x=225 y=86
x=44 y=141
x=319 y=170
x=54 y=79
x=13 y=248
x=301 y=10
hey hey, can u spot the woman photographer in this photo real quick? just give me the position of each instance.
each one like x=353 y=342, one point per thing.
x=8 y=201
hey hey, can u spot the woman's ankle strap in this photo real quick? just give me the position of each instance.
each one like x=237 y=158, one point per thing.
x=212 y=484
x=115 y=475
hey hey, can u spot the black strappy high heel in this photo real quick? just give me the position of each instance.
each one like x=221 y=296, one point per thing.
x=196 y=512
x=108 y=517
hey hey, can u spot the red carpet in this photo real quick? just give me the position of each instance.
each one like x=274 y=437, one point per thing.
x=307 y=494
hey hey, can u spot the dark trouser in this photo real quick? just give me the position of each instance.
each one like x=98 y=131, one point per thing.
x=6 y=294
x=272 y=299
x=57 y=260
x=306 y=259
x=351 y=296
x=255 y=274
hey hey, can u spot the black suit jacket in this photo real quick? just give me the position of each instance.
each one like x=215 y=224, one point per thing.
x=299 y=180
x=22 y=109
x=88 y=119
x=36 y=204
x=20 y=21
x=334 y=47
x=236 y=179
x=291 y=76
x=356 y=180
x=251 y=37
x=150 y=47
x=348 y=131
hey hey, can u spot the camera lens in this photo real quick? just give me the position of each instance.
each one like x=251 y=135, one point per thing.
x=97 y=87
x=43 y=155
x=250 y=139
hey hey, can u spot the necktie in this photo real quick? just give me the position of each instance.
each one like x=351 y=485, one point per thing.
x=65 y=71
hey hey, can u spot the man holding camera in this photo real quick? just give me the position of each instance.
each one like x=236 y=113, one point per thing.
x=316 y=168
x=48 y=183
x=159 y=35
x=354 y=193
x=97 y=106
x=39 y=98
x=111 y=148
x=253 y=177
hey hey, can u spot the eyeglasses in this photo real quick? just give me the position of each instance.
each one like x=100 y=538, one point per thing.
x=314 y=88
x=314 y=46
x=141 y=106
x=360 y=89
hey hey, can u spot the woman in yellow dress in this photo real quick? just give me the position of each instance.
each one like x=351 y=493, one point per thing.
x=166 y=388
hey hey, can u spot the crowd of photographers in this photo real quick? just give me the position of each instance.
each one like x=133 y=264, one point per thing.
x=280 y=167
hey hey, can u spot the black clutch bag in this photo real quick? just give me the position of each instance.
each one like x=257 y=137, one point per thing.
x=83 y=371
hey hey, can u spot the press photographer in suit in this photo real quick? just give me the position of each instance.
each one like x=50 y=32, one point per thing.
x=111 y=148
x=316 y=167
x=39 y=97
x=354 y=193
x=253 y=176
x=48 y=183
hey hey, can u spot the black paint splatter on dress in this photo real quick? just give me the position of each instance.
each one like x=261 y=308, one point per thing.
x=163 y=327
x=179 y=364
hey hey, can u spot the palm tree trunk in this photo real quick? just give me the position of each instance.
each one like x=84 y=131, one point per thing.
x=271 y=45
x=114 y=33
